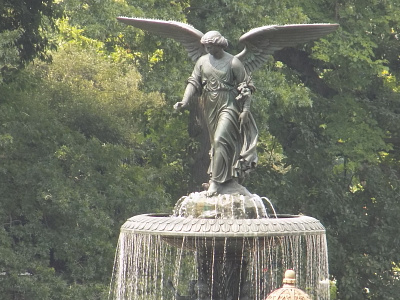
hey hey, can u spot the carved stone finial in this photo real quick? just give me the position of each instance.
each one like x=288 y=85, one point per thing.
x=290 y=278
x=288 y=291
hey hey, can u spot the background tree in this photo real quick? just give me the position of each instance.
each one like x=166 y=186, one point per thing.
x=75 y=163
x=87 y=142
x=24 y=28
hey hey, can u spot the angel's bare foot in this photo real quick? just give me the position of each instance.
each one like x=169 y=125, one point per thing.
x=212 y=189
x=205 y=186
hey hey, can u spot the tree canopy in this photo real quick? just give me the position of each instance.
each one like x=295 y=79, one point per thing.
x=91 y=139
x=25 y=26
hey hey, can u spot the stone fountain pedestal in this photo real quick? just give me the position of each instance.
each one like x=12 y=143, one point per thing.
x=225 y=247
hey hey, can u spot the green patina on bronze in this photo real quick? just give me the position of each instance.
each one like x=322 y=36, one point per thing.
x=222 y=83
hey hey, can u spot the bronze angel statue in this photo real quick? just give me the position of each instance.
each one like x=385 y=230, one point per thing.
x=222 y=82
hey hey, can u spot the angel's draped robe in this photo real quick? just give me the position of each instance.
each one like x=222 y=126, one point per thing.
x=233 y=147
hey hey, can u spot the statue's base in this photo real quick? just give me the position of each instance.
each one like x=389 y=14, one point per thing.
x=230 y=187
x=225 y=206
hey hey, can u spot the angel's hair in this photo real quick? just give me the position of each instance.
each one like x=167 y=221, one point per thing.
x=215 y=38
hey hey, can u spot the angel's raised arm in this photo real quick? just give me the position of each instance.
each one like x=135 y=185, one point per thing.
x=186 y=34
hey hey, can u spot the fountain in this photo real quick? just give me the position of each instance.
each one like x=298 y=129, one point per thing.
x=222 y=243
x=212 y=256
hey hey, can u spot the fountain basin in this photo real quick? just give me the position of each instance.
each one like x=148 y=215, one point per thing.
x=165 y=225
x=219 y=258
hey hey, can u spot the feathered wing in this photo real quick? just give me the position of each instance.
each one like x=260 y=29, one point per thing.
x=186 y=34
x=263 y=41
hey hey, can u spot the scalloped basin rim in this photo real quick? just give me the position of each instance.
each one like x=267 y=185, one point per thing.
x=165 y=225
x=278 y=216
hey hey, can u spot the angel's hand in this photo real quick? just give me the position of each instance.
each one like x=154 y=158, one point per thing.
x=246 y=92
x=179 y=105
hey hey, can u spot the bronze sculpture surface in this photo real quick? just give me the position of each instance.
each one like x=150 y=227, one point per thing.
x=222 y=82
x=224 y=236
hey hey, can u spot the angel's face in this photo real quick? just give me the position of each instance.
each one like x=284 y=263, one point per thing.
x=214 y=50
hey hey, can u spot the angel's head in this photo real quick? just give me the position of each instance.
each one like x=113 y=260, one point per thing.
x=214 y=38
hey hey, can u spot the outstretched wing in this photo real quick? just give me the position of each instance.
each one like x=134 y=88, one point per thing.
x=263 y=41
x=186 y=34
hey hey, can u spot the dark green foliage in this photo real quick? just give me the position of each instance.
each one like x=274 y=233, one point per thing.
x=74 y=165
x=30 y=23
